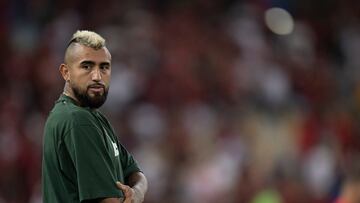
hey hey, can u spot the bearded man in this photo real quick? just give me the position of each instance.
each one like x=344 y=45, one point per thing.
x=83 y=160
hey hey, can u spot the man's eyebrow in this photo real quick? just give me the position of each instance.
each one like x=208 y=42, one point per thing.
x=105 y=63
x=87 y=63
x=93 y=63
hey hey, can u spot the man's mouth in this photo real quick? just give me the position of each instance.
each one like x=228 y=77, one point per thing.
x=96 y=88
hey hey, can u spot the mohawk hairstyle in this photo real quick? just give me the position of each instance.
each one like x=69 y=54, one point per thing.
x=88 y=38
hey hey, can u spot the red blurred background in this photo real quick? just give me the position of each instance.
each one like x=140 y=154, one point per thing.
x=213 y=104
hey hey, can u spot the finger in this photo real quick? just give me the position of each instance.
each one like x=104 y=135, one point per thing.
x=126 y=189
x=121 y=186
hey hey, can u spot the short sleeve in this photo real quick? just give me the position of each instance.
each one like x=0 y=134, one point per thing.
x=128 y=162
x=94 y=168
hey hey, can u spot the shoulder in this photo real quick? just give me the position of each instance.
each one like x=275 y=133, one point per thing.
x=67 y=113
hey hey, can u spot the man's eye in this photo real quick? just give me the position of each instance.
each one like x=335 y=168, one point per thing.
x=104 y=67
x=86 y=67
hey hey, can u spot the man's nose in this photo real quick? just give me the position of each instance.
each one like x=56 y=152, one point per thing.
x=96 y=75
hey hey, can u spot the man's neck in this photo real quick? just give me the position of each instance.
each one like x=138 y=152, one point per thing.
x=68 y=92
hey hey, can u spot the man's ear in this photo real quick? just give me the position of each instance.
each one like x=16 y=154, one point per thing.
x=64 y=70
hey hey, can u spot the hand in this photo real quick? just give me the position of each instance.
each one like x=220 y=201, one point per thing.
x=131 y=195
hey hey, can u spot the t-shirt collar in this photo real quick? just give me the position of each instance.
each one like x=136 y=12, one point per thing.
x=64 y=97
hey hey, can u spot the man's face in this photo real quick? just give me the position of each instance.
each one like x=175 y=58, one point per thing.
x=89 y=75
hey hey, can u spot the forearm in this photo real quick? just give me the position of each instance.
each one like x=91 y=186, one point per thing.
x=138 y=182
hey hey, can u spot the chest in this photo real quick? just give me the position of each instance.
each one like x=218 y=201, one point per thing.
x=111 y=145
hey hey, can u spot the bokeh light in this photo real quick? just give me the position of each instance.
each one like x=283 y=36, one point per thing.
x=279 y=21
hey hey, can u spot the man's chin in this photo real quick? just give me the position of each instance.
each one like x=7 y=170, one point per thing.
x=95 y=96
x=96 y=100
x=90 y=98
x=96 y=103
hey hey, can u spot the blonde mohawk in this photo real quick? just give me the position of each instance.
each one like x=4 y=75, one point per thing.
x=88 y=38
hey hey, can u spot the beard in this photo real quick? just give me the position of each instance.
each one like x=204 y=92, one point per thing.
x=86 y=100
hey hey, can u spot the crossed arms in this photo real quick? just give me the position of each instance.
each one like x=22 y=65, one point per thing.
x=134 y=192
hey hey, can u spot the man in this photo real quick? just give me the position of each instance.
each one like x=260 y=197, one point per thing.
x=82 y=158
x=351 y=187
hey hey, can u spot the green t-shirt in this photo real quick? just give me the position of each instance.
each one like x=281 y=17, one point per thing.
x=82 y=158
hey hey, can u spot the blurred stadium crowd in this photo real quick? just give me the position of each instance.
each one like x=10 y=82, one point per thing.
x=214 y=106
